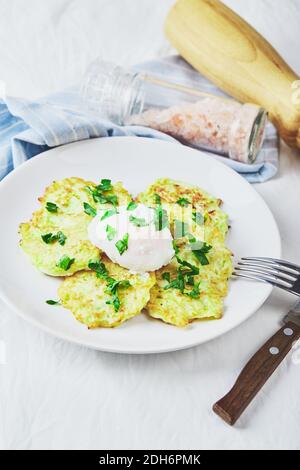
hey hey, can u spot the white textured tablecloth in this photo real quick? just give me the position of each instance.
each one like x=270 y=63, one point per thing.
x=56 y=395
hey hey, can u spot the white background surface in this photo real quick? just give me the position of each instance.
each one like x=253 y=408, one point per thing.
x=56 y=395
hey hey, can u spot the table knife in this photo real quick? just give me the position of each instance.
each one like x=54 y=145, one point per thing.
x=260 y=367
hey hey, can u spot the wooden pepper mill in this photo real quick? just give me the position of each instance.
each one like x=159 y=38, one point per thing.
x=228 y=51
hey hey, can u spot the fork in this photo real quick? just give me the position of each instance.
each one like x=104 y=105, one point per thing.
x=279 y=273
x=261 y=366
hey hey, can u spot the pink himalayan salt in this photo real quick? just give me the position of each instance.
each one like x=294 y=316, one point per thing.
x=221 y=126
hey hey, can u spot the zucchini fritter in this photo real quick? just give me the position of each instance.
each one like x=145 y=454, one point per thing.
x=56 y=238
x=86 y=295
x=181 y=296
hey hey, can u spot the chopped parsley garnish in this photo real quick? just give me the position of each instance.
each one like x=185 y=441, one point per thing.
x=157 y=199
x=105 y=185
x=115 y=301
x=51 y=207
x=113 y=290
x=131 y=206
x=191 y=238
x=89 y=210
x=177 y=283
x=52 y=302
x=181 y=229
x=190 y=280
x=65 y=262
x=161 y=219
x=122 y=245
x=190 y=269
x=99 y=269
x=175 y=247
x=198 y=218
x=201 y=252
x=185 y=277
x=109 y=214
x=61 y=238
x=51 y=238
x=138 y=222
x=166 y=276
x=107 y=199
x=98 y=196
x=48 y=238
x=195 y=293
x=183 y=202
x=111 y=232
x=113 y=286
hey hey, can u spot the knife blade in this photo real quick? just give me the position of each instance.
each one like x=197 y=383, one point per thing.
x=259 y=368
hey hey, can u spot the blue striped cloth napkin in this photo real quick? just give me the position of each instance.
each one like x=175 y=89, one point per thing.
x=28 y=128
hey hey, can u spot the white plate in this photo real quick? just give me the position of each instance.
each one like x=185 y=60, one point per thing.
x=136 y=162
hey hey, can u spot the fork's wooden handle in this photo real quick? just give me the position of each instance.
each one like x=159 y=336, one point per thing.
x=255 y=374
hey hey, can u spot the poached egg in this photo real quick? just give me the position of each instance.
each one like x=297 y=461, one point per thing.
x=130 y=238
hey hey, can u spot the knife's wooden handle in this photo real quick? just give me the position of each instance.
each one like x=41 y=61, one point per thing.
x=222 y=46
x=255 y=374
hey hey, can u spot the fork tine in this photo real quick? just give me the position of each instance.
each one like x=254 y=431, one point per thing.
x=263 y=279
x=274 y=277
x=291 y=276
x=275 y=261
x=254 y=277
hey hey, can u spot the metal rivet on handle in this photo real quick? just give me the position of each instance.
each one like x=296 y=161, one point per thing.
x=274 y=351
x=288 y=332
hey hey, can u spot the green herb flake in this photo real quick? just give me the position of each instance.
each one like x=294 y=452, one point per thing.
x=112 y=289
x=51 y=238
x=115 y=301
x=52 y=302
x=107 y=199
x=89 y=210
x=200 y=253
x=181 y=229
x=177 y=283
x=48 y=238
x=61 y=238
x=185 y=276
x=183 y=202
x=187 y=267
x=132 y=205
x=109 y=213
x=195 y=293
x=198 y=218
x=65 y=262
x=122 y=245
x=161 y=219
x=112 y=284
x=175 y=247
x=111 y=232
x=125 y=284
x=191 y=238
x=190 y=280
x=105 y=185
x=51 y=207
x=99 y=268
x=100 y=198
x=157 y=199
x=138 y=222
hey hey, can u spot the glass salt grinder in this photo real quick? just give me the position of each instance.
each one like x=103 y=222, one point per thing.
x=195 y=117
